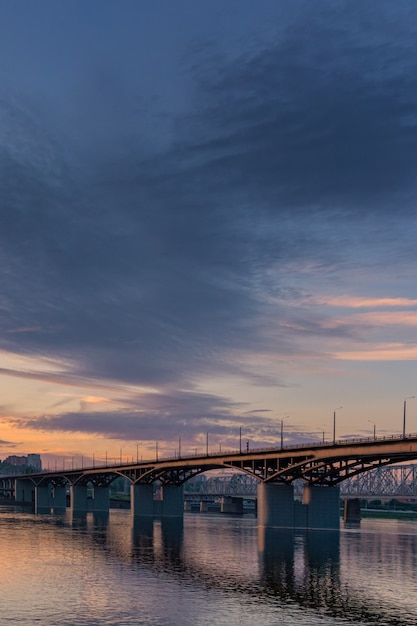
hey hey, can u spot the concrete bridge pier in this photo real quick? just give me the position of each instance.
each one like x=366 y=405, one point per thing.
x=172 y=501
x=141 y=500
x=276 y=505
x=352 y=511
x=231 y=504
x=319 y=508
x=43 y=499
x=101 y=499
x=78 y=498
x=323 y=506
x=24 y=491
x=59 y=498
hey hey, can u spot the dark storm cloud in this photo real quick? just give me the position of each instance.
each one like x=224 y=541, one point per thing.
x=325 y=118
x=168 y=417
x=174 y=414
x=134 y=240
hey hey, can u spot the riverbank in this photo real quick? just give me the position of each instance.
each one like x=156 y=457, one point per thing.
x=389 y=514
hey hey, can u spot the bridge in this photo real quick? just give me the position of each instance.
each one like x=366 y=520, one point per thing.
x=321 y=468
x=383 y=483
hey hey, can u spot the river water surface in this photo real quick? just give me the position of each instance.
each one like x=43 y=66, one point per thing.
x=209 y=570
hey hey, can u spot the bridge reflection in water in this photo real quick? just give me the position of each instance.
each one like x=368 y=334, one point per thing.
x=200 y=569
x=323 y=570
x=321 y=468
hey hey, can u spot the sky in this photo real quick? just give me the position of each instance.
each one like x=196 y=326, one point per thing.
x=208 y=224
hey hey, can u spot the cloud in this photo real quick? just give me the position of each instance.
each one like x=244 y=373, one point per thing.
x=130 y=264
x=9 y=444
x=380 y=352
x=165 y=418
x=321 y=122
x=357 y=302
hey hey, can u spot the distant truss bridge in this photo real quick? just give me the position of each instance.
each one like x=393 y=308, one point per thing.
x=396 y=481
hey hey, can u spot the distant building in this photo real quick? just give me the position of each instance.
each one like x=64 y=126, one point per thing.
x=34 y=460
x=16 y=460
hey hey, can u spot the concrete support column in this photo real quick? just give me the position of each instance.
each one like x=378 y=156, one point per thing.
x=231 y=504
x=59 y=498
x=43 y=500
x=172 y=501
x=323 y=507
x=352 y=511
x=78 y=498
x=24 y=491
x=275 y=505
x=101 y=499
x=141 y=500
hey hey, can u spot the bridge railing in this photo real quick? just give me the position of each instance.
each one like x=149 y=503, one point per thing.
x=108 y=463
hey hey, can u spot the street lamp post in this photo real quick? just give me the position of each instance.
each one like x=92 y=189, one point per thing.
x=371 y=422
x=323 y=432
x=405 y=411
x=282 y=430
x=334 y=423
x=282 y=434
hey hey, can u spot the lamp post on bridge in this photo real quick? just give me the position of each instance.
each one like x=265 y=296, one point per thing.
x=371 y=422
x=282 y=431
x=405 y=411
x=323 y=433
x=334 y=423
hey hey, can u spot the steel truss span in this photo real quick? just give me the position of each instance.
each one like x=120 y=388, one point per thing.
x=397 y=481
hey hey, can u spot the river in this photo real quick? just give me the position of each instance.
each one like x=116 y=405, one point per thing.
x=209 y=570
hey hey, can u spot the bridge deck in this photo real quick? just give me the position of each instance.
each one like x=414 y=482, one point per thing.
x=321 y=464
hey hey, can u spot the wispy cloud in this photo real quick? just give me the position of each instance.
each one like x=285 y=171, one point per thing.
x=381 y=352
x=357 y=302
x=9 y=444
